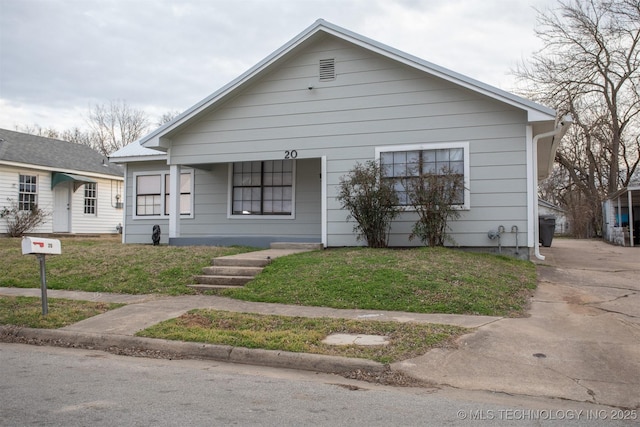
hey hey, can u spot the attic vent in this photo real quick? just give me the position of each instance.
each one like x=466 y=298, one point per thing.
x=327 y=69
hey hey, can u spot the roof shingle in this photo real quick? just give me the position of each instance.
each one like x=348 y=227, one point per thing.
x=53 y=153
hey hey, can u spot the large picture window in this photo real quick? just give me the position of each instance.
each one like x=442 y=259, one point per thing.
x=152 y=196
x=404 y=162
x=28 y=192
x=262 y=188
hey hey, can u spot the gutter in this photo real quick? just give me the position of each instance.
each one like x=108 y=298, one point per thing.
x=557 y=135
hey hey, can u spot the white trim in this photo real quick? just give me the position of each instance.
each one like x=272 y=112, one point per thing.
x=124 y=204
x=436 y=146
x=323 y=202
x=84 y=200
x=174 y=200
x=53 y=169
x=532 y=187
x=230 y=214
x=162 y=174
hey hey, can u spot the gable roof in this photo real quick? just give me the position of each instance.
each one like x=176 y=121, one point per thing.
x=135 y=152
x=535 y=112
x=53 y=154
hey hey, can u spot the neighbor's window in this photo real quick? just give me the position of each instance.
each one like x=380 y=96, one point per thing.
x=262 y=188
x=28 y=192
x=442 y=158
x=90 y=198
x=152 y=194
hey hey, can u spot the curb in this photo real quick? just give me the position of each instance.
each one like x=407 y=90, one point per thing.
x=123 y=344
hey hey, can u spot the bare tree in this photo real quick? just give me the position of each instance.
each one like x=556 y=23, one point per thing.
x=115 y=125
x=167 y=117
x=589 y=67
x=38 y=130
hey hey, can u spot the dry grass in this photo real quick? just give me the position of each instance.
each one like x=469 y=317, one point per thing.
x=304 y=335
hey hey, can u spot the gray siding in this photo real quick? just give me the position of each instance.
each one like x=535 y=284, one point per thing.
x=373 y=102
x=210 y=219
x=139 y=230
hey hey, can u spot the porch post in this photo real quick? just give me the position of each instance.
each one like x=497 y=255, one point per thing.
x=323 y=202
x=174 y=201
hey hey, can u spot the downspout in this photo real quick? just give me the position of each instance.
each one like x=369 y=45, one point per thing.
x=557 y=135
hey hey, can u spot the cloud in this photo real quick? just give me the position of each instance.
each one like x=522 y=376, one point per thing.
x=59 y=58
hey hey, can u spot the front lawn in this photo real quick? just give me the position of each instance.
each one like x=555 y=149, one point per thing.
x=423 y=280
x=106 y=265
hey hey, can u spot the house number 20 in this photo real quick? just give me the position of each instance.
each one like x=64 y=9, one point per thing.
x=290 y=154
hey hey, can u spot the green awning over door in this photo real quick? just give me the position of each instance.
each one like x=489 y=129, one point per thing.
x=78 y=180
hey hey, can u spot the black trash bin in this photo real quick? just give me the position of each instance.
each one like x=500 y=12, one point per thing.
x=547 y=226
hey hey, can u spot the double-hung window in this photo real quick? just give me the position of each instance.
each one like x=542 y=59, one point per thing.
x=152 y=196
x=149 y=195
x=90 y=198
x=27 y=192
x=262 y=188
x=401 y=163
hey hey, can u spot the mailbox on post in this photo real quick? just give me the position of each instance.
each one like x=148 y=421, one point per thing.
x=37 y=245
x=41 y=247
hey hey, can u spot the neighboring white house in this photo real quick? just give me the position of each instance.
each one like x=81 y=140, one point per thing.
x=621 y=212
x=546 y=208
x=78 y=185
x=259 y=160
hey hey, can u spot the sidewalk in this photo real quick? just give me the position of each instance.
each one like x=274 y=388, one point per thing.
x=581 y=341
x=117 y=328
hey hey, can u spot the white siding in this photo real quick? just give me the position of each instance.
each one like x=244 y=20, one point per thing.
x=107 y=216
x=104 y=222
x=9 y=180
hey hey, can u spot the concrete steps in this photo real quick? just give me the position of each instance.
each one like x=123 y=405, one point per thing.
x=236 y=270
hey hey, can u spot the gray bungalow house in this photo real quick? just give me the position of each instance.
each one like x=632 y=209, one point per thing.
x=259 y=160
x=77 y=184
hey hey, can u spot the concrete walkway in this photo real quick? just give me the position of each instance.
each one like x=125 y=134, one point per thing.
x=581 y=341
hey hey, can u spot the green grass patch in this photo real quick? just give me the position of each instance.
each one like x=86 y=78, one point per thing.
x=304 y=335
x=107 y=265
x=27 y=311
x=422 y=280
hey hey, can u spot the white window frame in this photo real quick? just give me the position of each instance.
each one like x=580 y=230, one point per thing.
x=231 y=215
x=437 y=146
x=34 y=193
x=94 y=198
x=163 y=192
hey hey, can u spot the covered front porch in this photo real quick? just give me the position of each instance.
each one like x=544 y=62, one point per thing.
x=248 y=203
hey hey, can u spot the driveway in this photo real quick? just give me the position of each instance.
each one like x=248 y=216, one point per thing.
x=580 y=342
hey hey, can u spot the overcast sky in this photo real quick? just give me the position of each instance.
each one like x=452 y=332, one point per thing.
x=60 y=57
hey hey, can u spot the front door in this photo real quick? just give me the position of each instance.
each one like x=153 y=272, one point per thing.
x=62 y=207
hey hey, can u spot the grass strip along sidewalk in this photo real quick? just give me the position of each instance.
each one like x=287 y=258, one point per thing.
x=304 y=335
x=27 y=311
